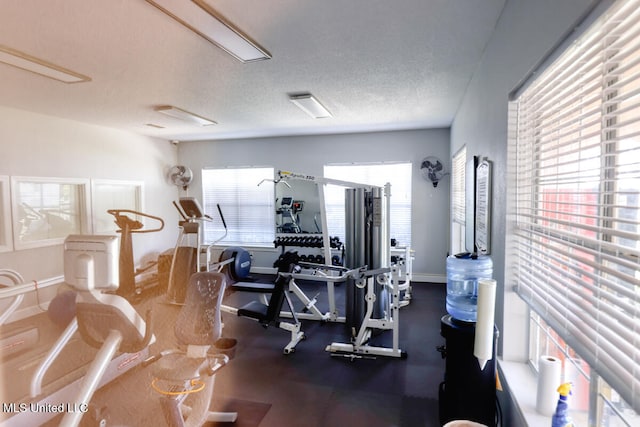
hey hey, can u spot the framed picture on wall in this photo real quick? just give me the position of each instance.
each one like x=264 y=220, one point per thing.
x=6 y=243
x=483 y=207
x=114 y=194
x=47 y=210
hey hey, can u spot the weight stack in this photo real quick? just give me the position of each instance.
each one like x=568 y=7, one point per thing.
x=355 y=254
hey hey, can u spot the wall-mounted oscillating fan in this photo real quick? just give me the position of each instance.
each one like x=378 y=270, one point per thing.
x=432 y=169
x=181 y=176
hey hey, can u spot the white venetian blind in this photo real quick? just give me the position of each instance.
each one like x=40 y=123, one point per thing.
x=248 y=208
x=458 y=174
x=578 y=197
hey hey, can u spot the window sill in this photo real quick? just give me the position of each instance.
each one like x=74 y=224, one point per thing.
x=522 y=384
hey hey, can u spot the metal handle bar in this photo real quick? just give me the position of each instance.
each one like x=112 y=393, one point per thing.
x=117 y=212
x=355 y=273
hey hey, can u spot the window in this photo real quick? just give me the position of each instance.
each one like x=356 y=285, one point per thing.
x=397 y=174
x=458 y=207
x=47 y=210
x=111 y=194
x=247 y=205
x=5 y=222
x=591 y=396
x=577 y=229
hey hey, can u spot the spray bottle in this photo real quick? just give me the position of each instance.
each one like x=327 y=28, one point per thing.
x=561 y=417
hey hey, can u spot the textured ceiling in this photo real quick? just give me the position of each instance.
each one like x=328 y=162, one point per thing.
x=375 y=64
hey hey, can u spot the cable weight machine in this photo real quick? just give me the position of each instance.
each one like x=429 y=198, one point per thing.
x=373 y=295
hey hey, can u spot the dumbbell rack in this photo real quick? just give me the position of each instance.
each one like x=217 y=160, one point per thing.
x=312 y=241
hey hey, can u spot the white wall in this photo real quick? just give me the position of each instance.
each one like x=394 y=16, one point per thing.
x=44 y=146
x=308 y=154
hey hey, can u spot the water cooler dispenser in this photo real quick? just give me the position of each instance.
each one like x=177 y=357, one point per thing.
x=468 y=391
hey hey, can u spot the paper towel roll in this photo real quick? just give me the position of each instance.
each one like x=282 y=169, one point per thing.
x=483 y=344
x=549 y=379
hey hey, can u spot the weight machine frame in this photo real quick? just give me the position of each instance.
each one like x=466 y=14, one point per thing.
x=402 y=273
x=320 y=275
x=382 y=274
x=388 y=320
x=323 y=272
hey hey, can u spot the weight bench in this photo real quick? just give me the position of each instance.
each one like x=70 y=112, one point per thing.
x=269 y=313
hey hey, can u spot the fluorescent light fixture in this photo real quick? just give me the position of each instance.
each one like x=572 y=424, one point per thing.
x=201 y=18
x=181 y=114
x=39 y=66
x=307 y=103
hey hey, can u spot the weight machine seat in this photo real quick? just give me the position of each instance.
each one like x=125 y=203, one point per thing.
x=267 y=313
x=255 y=310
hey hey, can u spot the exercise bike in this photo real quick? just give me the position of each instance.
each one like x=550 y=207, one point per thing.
x=190 y=371
x=129 y=288
x=105 y=321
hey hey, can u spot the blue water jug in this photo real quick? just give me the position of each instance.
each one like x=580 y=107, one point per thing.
x=463 y=272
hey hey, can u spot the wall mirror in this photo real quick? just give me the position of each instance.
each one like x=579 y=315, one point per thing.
x=297 y=207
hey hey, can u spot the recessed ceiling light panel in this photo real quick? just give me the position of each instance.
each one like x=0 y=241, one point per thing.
x=27 y=62
x=153 y=125
x=179 y=113
x=310 y=105
x=201 y=18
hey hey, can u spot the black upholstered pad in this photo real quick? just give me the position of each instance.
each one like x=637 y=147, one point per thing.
x=254 y=310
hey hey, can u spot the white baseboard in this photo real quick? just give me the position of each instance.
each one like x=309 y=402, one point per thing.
x=429 y=278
